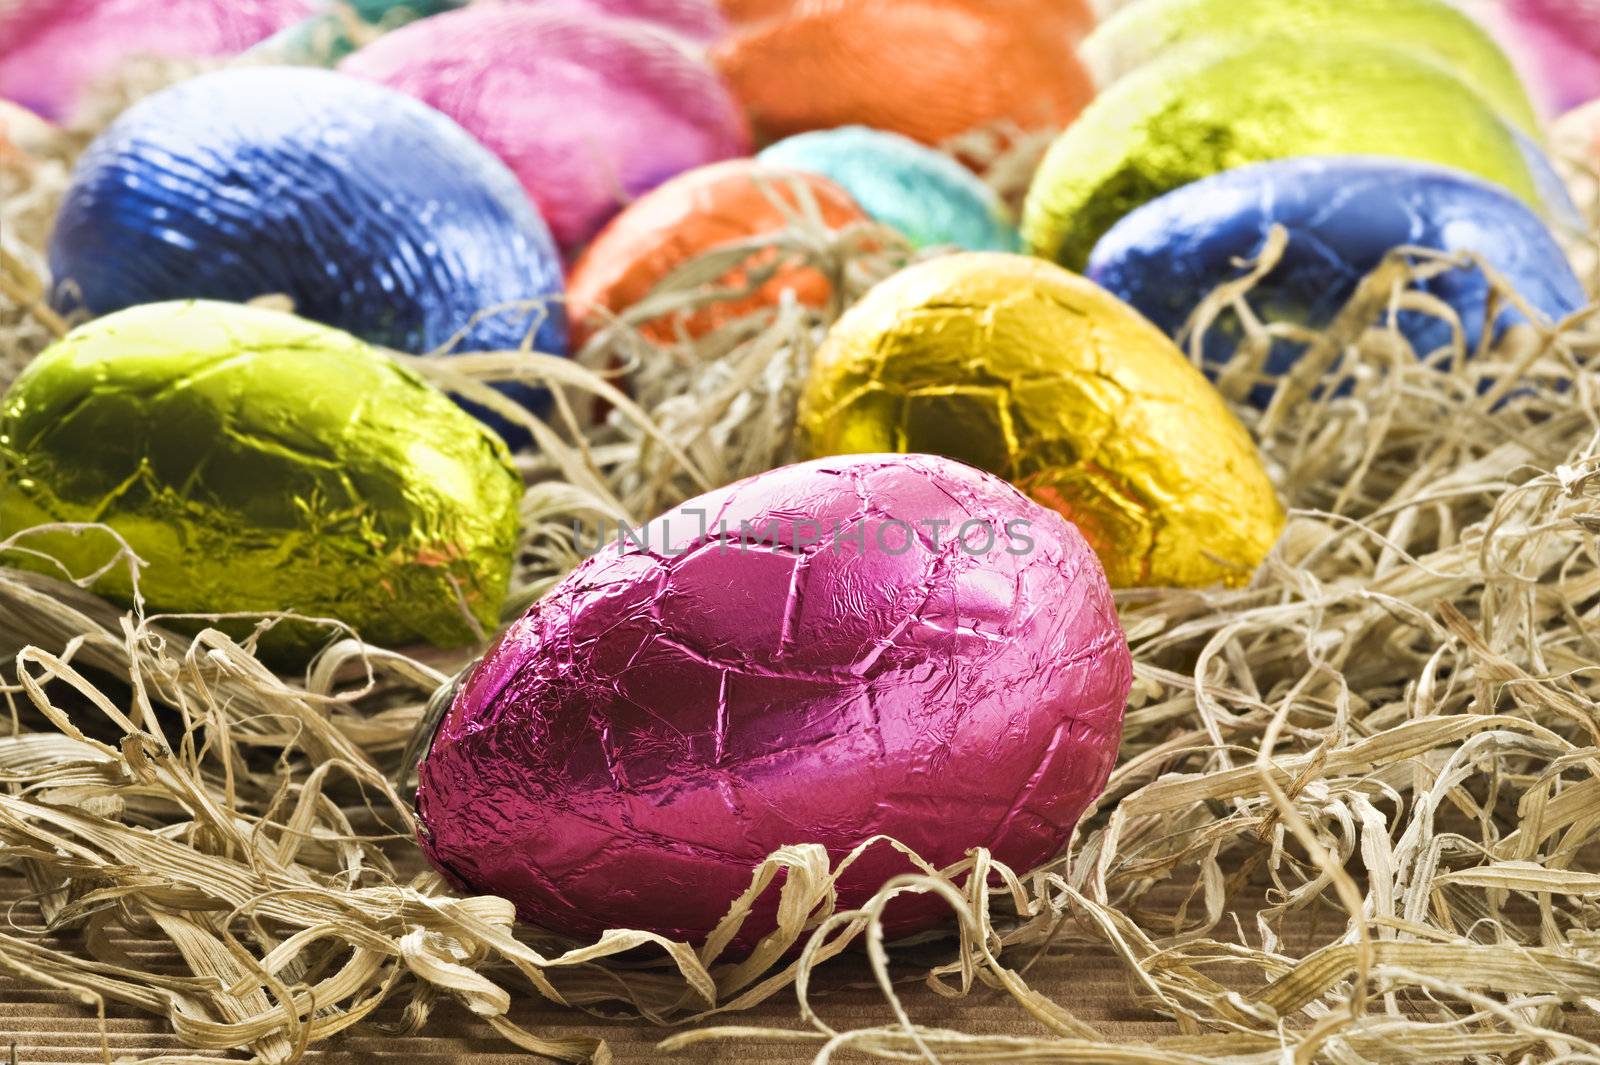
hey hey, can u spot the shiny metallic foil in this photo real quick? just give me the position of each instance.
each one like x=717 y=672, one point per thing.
x=694 y=213
x=886 y=644
x=1021 y=368
x=1342 y=216
x=374 y=214
x=589 y=112
x=1205 y=108
x=1433 y=29
x=258 y=462
x=53 y=51
x=917 y=190
x=930 y=69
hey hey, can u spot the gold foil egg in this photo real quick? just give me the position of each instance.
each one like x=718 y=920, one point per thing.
x=1433 y=29
x=1205 y=108
x=257 y=462
x=1019 y=367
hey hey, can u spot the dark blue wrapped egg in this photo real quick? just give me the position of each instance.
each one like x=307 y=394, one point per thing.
x=374 y=213
x=907 y=186
x=1343 y=215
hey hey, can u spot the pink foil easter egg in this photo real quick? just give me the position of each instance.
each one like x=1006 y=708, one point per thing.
x=700 y=21
x=53 y=50
x=1555 y=45
x=864 y=645
x=589 y=112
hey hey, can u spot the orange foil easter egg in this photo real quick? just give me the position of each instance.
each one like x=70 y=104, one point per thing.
x=694 y=213
x=929 y=69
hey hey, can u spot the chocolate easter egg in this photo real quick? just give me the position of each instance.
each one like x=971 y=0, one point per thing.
x=1434 y=29
x=1342 y=216
x=257 y=462
x=1035 y=374
x=373 y=213
x=921 y=192
x=930 y=69
x=1555 y=45
x=794 y=659
x=52 y=51
x=715 y=205
x=589 y=112
x=1205 y=108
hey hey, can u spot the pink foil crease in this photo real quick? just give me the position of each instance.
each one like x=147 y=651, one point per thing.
x=700 y=21
x=648 y=733
x=589 y=112
x=52 y=50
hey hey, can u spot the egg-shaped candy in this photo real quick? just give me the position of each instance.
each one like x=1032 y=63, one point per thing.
x=1033 y=373
x=257 y=462
x=921 y=192
x=1555 y=44
x=373 y=213
x=52 y=51
x=726 y=203
x=1205 y=108
x=1435 y=29
x=1342 y=216
x=930 y=69
x=875 y=645
x=23 y=134
x=589 y=112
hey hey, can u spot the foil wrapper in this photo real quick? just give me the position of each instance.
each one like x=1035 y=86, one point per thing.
x=589 y=113
x=257 y=463
x=371 y=212
x=1433 y=29
x=1555 y=44
x=929 y=69
x=23 y=134
x=1205 y=108
x=1023 y=369
x=1343 y=216
x=799 y=658
x=53 y=51
x=921 y=192
x=695 y=213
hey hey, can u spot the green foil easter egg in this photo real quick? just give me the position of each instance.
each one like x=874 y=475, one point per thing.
x=1208 y=107
x=1433 y=29
x=258 y=462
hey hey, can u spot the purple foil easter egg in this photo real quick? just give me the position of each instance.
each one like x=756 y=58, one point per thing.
x=864 y=645
x=589 y=112
x=52 y=50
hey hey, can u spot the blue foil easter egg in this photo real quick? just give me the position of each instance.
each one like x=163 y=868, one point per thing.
x=1342 y=216
x=374 y=213
x=923 y=193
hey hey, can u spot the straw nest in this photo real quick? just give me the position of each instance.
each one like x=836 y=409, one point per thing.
x=1392 y=733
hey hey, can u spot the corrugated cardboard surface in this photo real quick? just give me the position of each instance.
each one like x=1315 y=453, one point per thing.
x=52 y=1026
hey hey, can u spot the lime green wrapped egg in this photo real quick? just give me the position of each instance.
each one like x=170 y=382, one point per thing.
x=1432 y=29
x=258 y=462
x=1208 y=107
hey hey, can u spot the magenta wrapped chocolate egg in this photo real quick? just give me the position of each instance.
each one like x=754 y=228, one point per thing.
x=589 y=112
x=867 y=645
x=51 y=51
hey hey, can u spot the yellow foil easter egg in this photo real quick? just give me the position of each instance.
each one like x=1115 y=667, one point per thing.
x=1205 y=108
x=1023 y=369
x=1433 y=29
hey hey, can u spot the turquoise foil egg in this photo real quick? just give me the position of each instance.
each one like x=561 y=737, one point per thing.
x=923 y=193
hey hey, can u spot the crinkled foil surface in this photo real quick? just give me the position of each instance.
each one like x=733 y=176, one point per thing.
x=921 y=192
x=1342 y=217
x=930 y=69
x=51 y=51
x=1021 y=368
x=588 y=112
x=258 y=462
x=1435 y=29
x=694 y=213
x=373 y=213
x=784 y=664
x=1203 y=109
